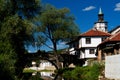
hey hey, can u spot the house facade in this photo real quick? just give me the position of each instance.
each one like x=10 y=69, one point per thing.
x=88 y=42
x=85 y=44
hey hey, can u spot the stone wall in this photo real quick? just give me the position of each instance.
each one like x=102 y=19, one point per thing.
x=112 y=67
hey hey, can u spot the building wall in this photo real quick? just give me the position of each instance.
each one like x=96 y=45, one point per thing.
x=94 y=42
x=100 y=26
x=112 y=67
x=88 y=55
x=72 y=51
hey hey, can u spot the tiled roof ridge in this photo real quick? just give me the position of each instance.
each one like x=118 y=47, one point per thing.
x=111 y=37
x=86 y=31
x=98 y=31
x=115 y=28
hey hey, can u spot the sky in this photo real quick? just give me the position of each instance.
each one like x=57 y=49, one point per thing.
x=86 y=12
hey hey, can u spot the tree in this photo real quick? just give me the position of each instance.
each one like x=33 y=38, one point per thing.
x=26 y=8
x=15 y=32
x=56 y=25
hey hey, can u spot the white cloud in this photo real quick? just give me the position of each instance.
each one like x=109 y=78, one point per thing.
x=89 y=8
x=117 y=8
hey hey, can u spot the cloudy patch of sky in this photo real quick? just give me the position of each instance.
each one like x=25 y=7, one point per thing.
x=89 y=8
x=117 y=7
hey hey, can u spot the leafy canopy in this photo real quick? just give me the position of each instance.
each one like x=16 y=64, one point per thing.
x=57 y=24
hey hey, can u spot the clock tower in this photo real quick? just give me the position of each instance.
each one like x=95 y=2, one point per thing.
x=101 y=25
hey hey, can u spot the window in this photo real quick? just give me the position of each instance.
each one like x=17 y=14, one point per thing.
x=88 y=40
x=103 y=38
x=91 y=51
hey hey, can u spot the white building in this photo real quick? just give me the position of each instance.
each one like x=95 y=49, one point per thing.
x=44 y=65
x=85 y=44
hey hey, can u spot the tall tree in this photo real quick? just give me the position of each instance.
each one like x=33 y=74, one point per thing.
x=56 y=25
x=14 y=33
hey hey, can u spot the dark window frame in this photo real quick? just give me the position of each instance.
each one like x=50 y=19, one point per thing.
x=92 y=51
x=103 y=38
x=88 y=40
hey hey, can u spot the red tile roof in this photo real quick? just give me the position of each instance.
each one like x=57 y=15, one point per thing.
x=115 y=37
x=112 y=38
x=94 y=32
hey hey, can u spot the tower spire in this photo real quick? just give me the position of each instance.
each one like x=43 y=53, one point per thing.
x=100 y=11
x=100 y=16
x=101 y=24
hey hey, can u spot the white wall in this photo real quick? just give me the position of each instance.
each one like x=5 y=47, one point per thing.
x=82 y=55
x=112 y=67
x=100 y=26
x=94 y=42
x=88 y=55
x=72 y=51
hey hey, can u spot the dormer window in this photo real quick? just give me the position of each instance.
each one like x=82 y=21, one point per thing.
x=88 y=40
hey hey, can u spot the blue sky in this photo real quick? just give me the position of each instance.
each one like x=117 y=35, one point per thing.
x=86 y=12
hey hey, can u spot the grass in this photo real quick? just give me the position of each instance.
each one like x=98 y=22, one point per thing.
x=26 y=70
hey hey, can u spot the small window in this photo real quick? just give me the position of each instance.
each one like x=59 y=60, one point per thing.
x=92 y=51
x=88 y=40
x=103 y=38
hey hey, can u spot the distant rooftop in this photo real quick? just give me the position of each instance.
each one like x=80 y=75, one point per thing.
x=95 y=32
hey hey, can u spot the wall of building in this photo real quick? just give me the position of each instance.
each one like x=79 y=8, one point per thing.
x=88 y=55
x=112 y=67
x=100 y=26
x=72 y=51
x=94 y=42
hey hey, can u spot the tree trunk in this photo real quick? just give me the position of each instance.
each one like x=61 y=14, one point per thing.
x=58 y=63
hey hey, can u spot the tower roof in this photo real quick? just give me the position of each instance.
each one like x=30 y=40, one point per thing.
x=100 y=11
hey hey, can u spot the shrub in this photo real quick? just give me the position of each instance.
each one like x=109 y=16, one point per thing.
x=84 y=73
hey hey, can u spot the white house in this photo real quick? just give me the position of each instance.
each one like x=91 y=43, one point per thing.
x=88 y=42
x=85 y=44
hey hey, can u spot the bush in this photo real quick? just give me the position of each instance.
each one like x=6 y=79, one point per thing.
x=84 y=73
x=7 y=69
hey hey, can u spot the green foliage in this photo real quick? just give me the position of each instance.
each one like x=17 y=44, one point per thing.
x=26 y=8
x=6 y=67
x=85 y=73
x=36 y=77
x=56 y=25
x=14 y=33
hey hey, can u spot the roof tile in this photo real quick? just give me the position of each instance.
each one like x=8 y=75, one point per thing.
x=94 y=32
